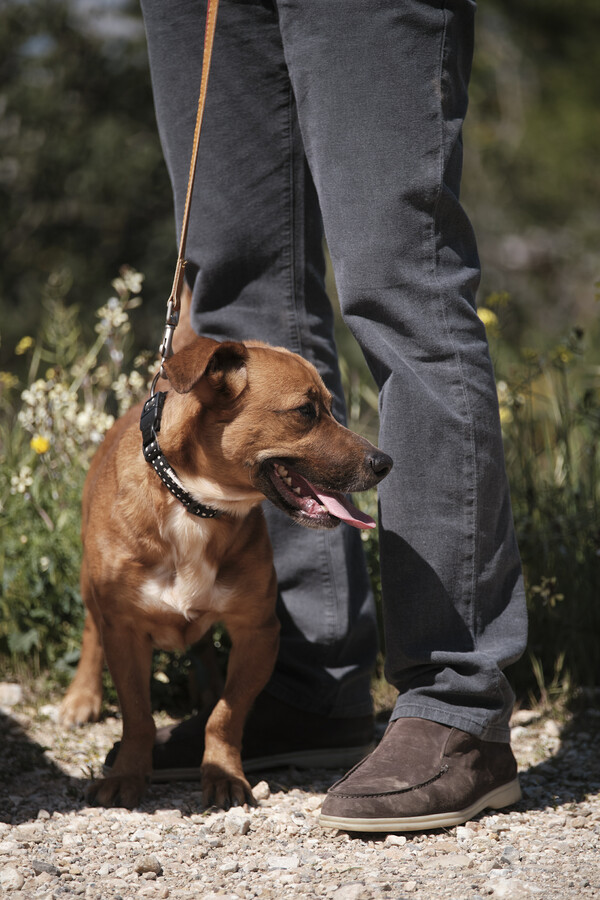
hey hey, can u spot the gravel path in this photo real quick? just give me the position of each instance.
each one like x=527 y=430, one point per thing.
x=53 y=846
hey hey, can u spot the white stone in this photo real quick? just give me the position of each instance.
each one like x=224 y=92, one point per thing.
x=145 y=834
x=71 y=840
x=31 y=834
x=525 y=716
x=464 y=835
x=9 y=846
x=10 y=694
x=11 y=879
x=395 y=840
x=352 y=892
x=148 y=863
x=236 y=822
x=229 y=867
x=283 y=862
x=262 y=791
x=511 y=889
x=552 y=729
x=50 y=711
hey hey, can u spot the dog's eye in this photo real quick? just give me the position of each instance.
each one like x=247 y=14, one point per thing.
x=308 y=410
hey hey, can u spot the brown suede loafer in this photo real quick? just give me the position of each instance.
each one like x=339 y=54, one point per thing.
x=276 y=735
x=422 y=776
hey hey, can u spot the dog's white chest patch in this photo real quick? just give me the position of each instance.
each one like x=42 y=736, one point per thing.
x=185 y=592
x=184 y=582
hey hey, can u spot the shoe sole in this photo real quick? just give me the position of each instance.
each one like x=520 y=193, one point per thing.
x=503 y=796
x=336 y=758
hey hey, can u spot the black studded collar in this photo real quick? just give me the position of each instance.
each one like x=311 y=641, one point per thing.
x=150 y=426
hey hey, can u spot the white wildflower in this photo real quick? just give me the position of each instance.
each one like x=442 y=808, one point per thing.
x=112 y=318
x=133 y=280
x=128 y=390
x=22 y=481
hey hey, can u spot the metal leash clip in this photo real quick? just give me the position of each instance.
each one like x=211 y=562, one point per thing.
x=171 y=321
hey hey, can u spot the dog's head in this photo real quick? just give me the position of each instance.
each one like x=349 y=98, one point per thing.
x=258 y=418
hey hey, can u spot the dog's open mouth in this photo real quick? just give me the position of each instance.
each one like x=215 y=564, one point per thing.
x=311 y=504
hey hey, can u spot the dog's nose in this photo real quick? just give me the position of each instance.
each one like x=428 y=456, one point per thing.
x=381 y=464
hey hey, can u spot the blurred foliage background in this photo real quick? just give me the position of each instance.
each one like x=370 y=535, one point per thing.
x=83 y=184
x=84 y=190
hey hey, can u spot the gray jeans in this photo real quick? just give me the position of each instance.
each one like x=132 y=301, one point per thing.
x=348 y=114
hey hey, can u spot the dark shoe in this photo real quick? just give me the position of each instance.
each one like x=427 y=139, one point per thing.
x=275 y=735
x=422 y=776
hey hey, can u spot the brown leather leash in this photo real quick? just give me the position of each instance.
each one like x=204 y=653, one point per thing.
x=150 y=420
x=174 y=301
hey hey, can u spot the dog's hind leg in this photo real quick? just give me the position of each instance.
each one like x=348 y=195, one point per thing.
x=83 y=700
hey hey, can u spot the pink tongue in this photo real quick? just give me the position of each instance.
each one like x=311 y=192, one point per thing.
x=342 y=509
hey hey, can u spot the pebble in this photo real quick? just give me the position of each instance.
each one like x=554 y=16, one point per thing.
x=511 y=889
x=236 y=823
x=261 y=791
x=352 y=892
x=39 y=866
x=148 y=863
x=53 y=846
x=396 y=840
x=11 y=879
x=510 y=855
x=450 y=861
x=283 y=862
x=229 y=867
x=10 y=694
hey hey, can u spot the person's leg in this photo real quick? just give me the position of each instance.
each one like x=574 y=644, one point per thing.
x=382 y=93
x=257 y=271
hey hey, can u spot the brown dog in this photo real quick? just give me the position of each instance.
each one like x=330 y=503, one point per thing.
x=241 y=422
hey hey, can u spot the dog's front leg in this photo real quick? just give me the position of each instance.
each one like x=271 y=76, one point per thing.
x=251 y=662
x=128 y=652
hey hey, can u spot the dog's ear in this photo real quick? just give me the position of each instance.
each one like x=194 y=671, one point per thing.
x=223 y=365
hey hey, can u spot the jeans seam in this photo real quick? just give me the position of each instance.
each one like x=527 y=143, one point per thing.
x=291 y=255
x=325 y=564
x=470 y=520
x=330 y=598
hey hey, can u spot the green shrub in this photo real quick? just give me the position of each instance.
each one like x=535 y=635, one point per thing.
x=50 y=429
x=550 y=413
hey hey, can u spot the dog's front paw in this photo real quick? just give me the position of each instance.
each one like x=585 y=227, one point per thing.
x=117 y=790
x=224 y=789
x=80 y=706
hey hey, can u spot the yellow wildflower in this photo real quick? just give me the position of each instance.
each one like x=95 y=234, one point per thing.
x=563 y=354
x=497 y=298
x=529 y=354
x=24 y=345
x=40 y=444
x=489 y=319
x=8 y=380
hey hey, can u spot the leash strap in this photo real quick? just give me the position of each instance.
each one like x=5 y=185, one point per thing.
x=174 y=301
x=152 y=412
